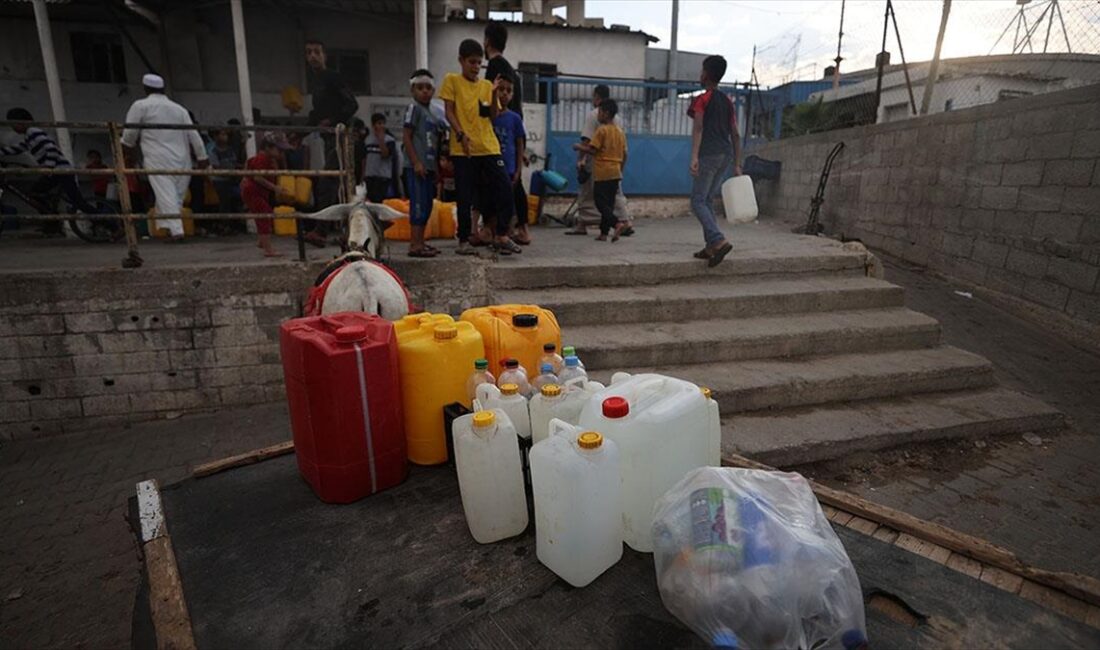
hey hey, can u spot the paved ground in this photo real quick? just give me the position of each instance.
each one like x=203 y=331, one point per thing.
x=69 y=568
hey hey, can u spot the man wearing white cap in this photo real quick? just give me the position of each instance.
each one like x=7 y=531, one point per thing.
x=164 y=148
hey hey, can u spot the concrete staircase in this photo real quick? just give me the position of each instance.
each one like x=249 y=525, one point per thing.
x=808 y=357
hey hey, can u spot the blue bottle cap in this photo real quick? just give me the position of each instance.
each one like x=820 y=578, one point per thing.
x=572 y=361
x=853 y=640
x=725 y=639
x=546 y=369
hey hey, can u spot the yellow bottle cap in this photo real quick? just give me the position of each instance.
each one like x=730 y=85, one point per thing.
x=509 y=389
x=706 y=392
x=550 y=390
x=444 y=332
x=589 y=440
x=484 y=419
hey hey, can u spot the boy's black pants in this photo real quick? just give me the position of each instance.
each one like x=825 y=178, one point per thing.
x=483 y=179
x=604 y=194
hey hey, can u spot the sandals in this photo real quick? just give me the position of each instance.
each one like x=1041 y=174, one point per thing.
x=507 y=247
x=522 y=241
x=577 y=232
x=423 y=252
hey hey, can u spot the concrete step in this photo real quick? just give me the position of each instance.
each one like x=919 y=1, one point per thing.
x=807 y=435
x=742 y=386
x=617 y=270
x=702 y=299
x=662 y=344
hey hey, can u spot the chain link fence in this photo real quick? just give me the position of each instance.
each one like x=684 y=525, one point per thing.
x=992 y=51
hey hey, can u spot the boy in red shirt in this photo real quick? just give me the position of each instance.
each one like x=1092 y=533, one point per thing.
x=258 y=192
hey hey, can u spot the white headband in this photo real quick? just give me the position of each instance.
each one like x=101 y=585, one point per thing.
x=422 y=79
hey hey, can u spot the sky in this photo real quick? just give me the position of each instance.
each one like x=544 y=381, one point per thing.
x=798 y=38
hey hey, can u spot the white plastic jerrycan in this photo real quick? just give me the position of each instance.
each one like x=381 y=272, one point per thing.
x=508 y=399
x=564 y=403
x=739 y=199
x=490 y=478
x=662 y=428
x=714 y=450
x=575 y=481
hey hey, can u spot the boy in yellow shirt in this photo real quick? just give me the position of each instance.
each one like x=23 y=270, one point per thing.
x=608 y=145
x=472 y=104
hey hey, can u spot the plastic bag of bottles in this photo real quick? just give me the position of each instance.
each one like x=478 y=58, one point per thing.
x=747 y=560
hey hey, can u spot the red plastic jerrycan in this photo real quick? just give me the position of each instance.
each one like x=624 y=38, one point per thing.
x=344 y=393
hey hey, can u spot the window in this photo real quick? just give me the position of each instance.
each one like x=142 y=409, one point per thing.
x=534 y=91
x=97 y=57
x=948 y=105
x=1002 y=95
x=353 y=66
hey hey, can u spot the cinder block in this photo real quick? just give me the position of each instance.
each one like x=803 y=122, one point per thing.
x=1057 y=226
x=1084 y=306
x=985 y=174
x=94 y=322
x=156 y=401
x=989 y=253
x=1004 y=281
x=55 y=409
x=958 y=245
x=1073 y=173
x=1023 y=173
x=197 y=398
x=133 y=362
x=1085 y=200
x=1041 y=199
x=36 y=369
x=226 y=337
x=230 y=316
x=1086 y=144
x=106 y=405
x=242 y=395
x=187 y=359
x=1033 y=265
x=240 y=356
x=1050 y=146
x=977 y=220
x=33 y=325
x=1073 y=274
x=216 y=377
x=999 y=198
x=11 y=411
x=1090 y=230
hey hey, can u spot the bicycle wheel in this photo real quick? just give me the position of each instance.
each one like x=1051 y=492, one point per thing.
x=100 y=228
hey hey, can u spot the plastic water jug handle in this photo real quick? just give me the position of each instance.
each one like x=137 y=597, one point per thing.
x=619 y=376
x=560 y=428
x=486 y=391
x=477 y=406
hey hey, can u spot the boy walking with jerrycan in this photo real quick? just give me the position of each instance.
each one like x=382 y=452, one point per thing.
x=423 y=127
x=472 y=104
x=608 y=145
x=715 y=145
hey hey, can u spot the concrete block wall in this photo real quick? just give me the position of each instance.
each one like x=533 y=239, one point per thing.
x=1004 y=196
x=103 y=348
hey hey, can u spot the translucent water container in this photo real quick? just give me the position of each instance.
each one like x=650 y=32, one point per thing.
x=714 y=451
x=575 y=483
x=480 y=375
x=546 y=376
x=739 y=200
x=490 y=476
x=573 y=374
x=514 y=373
x=550 y=355
x=436 y=355
x=507 y=399
x=557 y=402
x=662 y=428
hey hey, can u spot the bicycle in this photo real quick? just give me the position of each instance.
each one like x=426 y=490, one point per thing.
x=104 y=227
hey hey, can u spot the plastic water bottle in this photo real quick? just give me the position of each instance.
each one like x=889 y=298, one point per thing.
x=570 y=351
x=550 y=355
x=573 y=373
x=515 y=374
x=481 y=376
x=546 y=376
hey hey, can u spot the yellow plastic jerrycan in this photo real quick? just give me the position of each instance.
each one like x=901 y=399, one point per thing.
x=517 y=331
x=286 y=226
x=436 y=356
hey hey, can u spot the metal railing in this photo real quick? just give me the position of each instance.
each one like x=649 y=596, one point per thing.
x=345 y=170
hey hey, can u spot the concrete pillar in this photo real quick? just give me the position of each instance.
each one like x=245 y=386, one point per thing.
x=673 y=49
x=481 y=11
x=244 y=82
x=420 y=32
x=574 y=12
x=53 y=80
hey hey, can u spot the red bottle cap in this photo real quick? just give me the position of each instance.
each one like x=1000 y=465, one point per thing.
x=616 y=407
x=351 y=333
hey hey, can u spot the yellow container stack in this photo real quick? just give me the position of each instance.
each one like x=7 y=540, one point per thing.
x=517 y=331
x=436 y=357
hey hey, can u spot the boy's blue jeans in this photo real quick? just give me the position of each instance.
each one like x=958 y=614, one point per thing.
x=705 y=186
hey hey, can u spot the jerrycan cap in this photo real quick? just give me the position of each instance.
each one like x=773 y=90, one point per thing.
x=707 y=393
x=484 y=419
x=481 y=364
x=510 y=363
x=616 y=407
x=549 y=347
x=351 y=333
x=525 y=320
x=444 y=332
x=589 y=440
x=509 y=389
x=550 y=390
